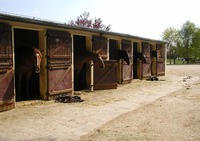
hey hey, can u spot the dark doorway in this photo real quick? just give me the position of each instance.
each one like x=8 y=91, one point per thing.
x=27 y=38
x=135 y=45
x=80 y=80
x=113 y=49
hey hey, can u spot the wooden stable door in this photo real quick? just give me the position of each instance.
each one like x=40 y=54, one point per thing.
x=160 y=63
x=59 y=62
x=146 y=67
x=7 y=100
x=104 y=78
x=127 y=70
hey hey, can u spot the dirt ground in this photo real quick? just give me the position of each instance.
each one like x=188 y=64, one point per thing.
x=167 y=110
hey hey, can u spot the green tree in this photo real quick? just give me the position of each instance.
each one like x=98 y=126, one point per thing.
x=195 y=46
x=186 y=35
x=171 y=35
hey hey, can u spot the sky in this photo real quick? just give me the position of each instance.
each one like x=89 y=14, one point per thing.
x=144 y=18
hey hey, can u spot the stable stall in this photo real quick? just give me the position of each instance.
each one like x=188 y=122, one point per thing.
x=127 y=70
x=7 y=99
x=160 y=61
x=59 y=63
x=105 y=78
x=146 y=66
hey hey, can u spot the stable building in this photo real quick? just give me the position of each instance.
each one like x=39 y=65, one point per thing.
x=58 y=42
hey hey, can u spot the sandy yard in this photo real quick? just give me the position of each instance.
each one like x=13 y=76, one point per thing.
x=167 y=110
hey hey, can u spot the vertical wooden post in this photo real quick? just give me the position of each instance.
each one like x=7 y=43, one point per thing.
x=92 y=76
x=72 y=48
x=120 y=65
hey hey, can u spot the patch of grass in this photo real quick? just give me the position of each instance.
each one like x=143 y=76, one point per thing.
x=177 y=62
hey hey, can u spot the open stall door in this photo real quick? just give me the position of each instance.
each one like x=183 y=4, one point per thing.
x=146 y=67
x=104 y=78
x=136 y=62
x=80 y=81
x=59 y=57
x=127 y=70
x=24 y=38
x=160 y=64
x=113 y=49
x=7 y=100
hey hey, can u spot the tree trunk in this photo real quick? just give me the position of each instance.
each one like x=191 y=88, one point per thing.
x=170 y=55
